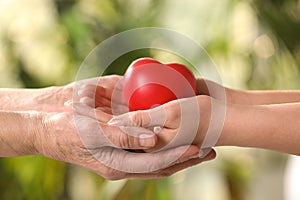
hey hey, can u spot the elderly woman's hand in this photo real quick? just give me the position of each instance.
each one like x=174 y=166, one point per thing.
x=97 y=146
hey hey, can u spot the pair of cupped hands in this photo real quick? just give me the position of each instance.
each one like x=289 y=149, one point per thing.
x=91 y=126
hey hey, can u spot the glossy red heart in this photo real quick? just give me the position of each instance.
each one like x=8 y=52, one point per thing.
x=149 y=83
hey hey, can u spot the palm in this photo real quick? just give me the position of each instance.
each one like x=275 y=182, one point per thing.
x=104 y=93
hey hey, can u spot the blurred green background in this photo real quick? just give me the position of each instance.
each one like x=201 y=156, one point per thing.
x=255 y=44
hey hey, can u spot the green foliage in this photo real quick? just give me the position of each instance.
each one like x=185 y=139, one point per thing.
x=152 y=189
x=31 y=177
x=82 y=24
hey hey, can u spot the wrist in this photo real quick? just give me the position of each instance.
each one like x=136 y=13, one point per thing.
x=242 y=123
x=49 y=99
x=204 y=103
x=228 y=136
x=214 y=90
x=215 y=122
x=52 y=99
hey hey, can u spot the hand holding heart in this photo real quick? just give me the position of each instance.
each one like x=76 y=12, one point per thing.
x=106 y=143
x=140 y=94
x=168 y=91
x=178 y=121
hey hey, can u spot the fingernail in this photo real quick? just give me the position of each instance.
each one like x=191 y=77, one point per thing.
x=156 y=129
x=204 y=152
x=146 y=140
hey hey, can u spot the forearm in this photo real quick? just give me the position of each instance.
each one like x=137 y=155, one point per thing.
x=46 y=99
x=246 y=97
x=274 y=127
x=17 y=133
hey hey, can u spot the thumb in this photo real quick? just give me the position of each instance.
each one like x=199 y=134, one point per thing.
x=142 y=118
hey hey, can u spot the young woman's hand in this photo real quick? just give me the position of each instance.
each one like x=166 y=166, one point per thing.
x=180 y=122
x=273 y=126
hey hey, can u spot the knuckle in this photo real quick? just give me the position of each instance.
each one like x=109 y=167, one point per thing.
x=124 y=140
x=173 y=110
x=137 y=119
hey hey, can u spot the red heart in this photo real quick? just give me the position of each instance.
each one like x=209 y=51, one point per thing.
x=149 y=83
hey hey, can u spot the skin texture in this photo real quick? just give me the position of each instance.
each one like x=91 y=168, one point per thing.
x=260 y=119
x=62 y=124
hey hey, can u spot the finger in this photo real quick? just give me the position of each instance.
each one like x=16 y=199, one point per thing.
x=101 y=96
x=211 y=155
x=172 y=169
x=87 y=91
x=167 y=172
x=110 y=84
x=119 y=109
x=103 y=85
x=102 y=92
x=103 y=115
x=164 y=137
x=117 y=175
x=105 y=109
x=98 y=93
x=115 y=109
x=80 y=88
x=145 y=162
x=101 y=101
x=110 y=93
x=129 y=137
x=85 y=106
x=87 y=101
x=119 y=83
x=113 y=174
x=114 y=136
x=83 y=109
x=145 y=118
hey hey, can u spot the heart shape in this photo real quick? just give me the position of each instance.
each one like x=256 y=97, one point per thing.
x=149 y=83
